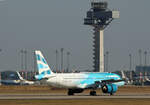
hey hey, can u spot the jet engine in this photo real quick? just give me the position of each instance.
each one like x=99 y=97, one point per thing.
x=109 y=88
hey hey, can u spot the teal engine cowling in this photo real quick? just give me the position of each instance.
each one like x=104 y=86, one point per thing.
x=109 y=88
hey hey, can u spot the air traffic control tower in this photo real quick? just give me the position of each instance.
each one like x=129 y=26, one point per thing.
x=99 y=16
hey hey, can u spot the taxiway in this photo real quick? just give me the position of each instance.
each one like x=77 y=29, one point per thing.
x=64 y=96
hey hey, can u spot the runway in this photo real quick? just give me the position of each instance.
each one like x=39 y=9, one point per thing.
x=56 y=96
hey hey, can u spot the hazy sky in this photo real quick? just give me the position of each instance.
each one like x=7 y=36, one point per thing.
x=52 y=24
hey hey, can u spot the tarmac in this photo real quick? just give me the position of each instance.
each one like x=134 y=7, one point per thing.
x=56 y=96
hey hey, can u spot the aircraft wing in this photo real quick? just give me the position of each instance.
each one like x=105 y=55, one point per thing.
x=103 y=82
x=111 y=81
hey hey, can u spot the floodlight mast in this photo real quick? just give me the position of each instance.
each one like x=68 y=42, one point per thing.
x=99 y=17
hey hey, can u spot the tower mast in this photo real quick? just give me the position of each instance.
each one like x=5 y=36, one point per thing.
x=99 y=17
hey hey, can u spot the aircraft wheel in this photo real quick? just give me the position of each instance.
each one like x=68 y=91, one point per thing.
x=93 y=93
x=111 y=94
x=70 y=93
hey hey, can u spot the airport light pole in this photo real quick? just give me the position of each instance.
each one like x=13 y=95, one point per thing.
x=62 y=49
x=145 y=53
x=107 y=61
x=140 y=57
x=25 y=55
x=22 y=53
x=34 y=62
x=68 y=61
x=130 y=66
x=56 y=60
x=130 y=61
x=24 y=60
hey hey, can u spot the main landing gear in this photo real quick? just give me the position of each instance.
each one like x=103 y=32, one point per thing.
x=70 y=92
x=92 y=93
x=111 y=94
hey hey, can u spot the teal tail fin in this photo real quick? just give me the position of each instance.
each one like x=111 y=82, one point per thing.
x=43 y=68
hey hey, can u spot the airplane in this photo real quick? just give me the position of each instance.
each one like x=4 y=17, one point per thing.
x=24 y=81
x=11 y=79
x=15 y=79
x=125 y=78
x=77 y=82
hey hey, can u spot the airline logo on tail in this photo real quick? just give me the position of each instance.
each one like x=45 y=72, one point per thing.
x=43 y=68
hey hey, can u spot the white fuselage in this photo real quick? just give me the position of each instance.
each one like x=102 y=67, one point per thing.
x=79 y=80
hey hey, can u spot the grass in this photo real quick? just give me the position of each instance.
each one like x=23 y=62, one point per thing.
x=78 y=102
x=48 y=89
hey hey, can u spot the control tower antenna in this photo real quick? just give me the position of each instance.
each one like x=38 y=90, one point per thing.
x=99 y=17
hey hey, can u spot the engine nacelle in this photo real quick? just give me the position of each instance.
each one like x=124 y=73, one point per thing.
x=109 y=88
